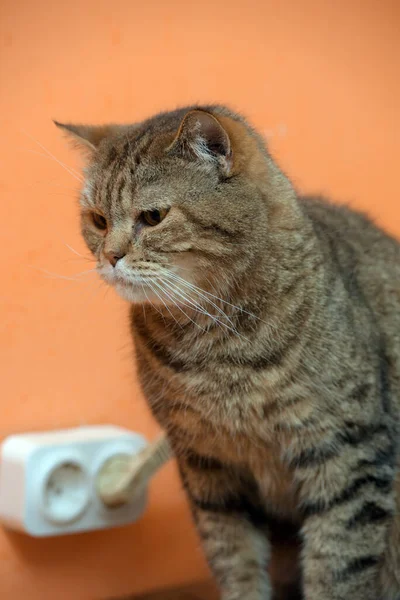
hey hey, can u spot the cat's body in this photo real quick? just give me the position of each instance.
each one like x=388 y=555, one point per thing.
x=271 y=358
x=305 y=392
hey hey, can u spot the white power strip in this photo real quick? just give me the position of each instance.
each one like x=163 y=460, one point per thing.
x=48 y=480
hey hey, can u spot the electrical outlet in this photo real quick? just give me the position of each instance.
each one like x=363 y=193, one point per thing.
x=48 y=480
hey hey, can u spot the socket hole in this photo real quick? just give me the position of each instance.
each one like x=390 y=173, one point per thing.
x=66 y=493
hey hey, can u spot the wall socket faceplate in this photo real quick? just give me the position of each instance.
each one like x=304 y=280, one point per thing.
x=48 y=480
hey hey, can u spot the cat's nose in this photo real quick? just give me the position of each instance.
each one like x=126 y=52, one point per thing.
x=114 y=257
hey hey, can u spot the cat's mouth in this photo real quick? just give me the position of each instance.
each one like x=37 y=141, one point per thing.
x=157 y=284
x=136 y=286
x=121 y=275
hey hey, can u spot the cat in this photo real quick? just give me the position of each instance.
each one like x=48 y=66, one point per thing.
x=267 y=334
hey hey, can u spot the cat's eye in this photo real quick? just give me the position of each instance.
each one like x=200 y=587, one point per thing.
x=99 y=221
x=154 y=217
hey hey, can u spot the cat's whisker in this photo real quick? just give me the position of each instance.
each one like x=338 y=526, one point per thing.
x=82 y=273
x=50 y=157
x=202 y=295
x=69 y=170
x=151 y=303
x=159 y=295
x=178 y=306
x=100 y=286
x=160 y=298
x=78 y=253
x=106 y=291
x=216 y=319
x=238 y=308
x=143 y=305
x=180 y=268
x=233 y=306
x=54 y=184
x=189 y=302
x=52 y=275
x=198 y=308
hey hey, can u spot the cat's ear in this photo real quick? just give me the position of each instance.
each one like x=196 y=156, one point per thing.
x=201 y=136
x=87 y=136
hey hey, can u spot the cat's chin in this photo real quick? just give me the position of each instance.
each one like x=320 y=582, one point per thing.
x=134 y=294
x=137 y=294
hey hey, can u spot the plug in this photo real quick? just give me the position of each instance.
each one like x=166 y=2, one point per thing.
x=123 y=478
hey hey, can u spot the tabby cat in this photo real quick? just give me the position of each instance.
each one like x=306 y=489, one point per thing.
x=267 y=336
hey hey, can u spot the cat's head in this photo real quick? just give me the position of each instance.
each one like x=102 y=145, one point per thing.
x=178 y=200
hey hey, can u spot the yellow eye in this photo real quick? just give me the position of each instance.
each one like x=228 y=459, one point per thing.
x=99 y=221
x=154 y=217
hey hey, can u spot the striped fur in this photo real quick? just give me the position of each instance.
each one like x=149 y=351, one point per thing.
x=267 y=335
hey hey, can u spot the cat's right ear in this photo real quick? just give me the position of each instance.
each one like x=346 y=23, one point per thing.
x=202 y=137
x=87 y=137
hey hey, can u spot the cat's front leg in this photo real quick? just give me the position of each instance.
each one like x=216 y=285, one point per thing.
x=236 y=552
x=349 y=504
x=236 y=549
x=337 y=564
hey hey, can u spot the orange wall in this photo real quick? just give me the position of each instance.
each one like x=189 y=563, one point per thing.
x=320 y=78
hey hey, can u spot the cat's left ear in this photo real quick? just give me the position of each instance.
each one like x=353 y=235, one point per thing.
x=201 y=136
x=87 y=136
